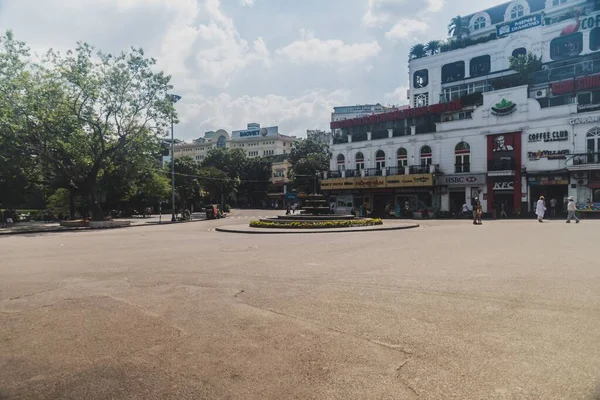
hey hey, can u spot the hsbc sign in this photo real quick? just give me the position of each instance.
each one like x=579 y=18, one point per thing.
x=461 y=180
x=507 y=185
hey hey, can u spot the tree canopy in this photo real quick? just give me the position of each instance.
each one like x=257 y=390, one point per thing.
x=308 y=157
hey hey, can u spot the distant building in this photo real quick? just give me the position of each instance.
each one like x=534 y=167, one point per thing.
x=201 y=146
x=319 y=135
x=261 y=142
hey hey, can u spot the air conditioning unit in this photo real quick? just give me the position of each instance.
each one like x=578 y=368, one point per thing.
x=538 y=94
x=582 y=181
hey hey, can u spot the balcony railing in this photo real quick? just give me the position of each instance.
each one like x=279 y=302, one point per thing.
x=373 y=172
x=502 y=165
x=587 y=158
x=418 y=169
x=351 y=173
x=335 y=174
x=461 y=168
x=395 y=171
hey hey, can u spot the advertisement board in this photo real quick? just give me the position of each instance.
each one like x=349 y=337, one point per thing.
x=530 y=21
x=254 y=132
x=416 y=180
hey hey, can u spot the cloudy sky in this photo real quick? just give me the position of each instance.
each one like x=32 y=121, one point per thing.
x=275 y=62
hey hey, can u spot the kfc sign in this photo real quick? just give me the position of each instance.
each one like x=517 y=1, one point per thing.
x=506 y=185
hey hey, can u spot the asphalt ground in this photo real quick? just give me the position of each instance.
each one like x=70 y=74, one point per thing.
x=506 y=310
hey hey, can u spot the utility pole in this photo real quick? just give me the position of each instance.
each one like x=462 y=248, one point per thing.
x=174 y=98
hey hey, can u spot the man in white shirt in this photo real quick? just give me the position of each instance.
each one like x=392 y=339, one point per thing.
x=572 y=211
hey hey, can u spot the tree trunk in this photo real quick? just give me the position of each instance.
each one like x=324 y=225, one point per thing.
x=72 y=195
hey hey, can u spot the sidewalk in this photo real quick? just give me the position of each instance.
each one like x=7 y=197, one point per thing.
x=41 y=227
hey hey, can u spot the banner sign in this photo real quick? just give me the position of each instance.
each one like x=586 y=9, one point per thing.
x=531 y=21
x=461 y=180
x=378 y=182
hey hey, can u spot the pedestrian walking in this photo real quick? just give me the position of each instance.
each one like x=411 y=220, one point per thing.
x=540 y=209
x=572 y=211
x=503 y=210
x=553 y=204
x=477 y=212
x=9 y=217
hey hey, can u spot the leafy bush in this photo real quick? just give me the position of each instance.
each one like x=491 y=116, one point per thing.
x=226 y=208
x=316 y=224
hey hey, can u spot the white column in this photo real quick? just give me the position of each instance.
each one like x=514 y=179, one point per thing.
x=390 y=133
x=368 y=135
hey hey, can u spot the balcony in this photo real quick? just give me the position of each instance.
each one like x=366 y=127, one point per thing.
x=585 y=159
x=351 y=173
x=335 y=174
x=462 y=168
x=396 y=171
x=418 y=169
x=502 y=165
x=373 y=172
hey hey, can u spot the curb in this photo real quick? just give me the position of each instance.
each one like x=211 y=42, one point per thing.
x=267 y=231
x=88 y=229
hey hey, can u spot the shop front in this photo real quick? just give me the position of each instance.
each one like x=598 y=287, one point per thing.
x=504 y=173
x=551 y=186
x=459 y=189
x=381 y=196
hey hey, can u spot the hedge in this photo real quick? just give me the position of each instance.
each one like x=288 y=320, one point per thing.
x=316 y=224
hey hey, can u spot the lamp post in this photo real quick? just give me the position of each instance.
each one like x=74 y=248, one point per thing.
x=174 y=98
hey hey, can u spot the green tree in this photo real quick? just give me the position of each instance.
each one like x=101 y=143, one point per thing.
x=525 y=65
x=433 y=47
x=255 y=180
x=188 y=183
x=417 y=51
x=80 y=113
x=308 y=157
x=458 y=27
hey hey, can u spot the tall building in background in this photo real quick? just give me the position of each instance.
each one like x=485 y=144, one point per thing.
x=478 y=128
x=261 y=142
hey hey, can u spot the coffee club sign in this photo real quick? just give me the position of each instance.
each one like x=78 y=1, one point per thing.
x=556 y=136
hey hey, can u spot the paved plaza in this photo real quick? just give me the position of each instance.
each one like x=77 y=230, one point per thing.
x=506 y=310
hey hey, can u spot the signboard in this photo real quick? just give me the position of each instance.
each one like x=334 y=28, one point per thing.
x=574 y=85
x=556 y=136
x=587 y=107
x=531 y=21
x=415 y=180
x=504 y=108
x=254 y=132
x=585 y=120
x=337 y=184
x=504 y=185
x=549 y=154
x=371 y=182
x=378 y=182
x=548 y=180
x=461 y=180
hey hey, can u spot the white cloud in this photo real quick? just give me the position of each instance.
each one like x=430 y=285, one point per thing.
x=398 y=96
x=292 y=114
x=405 y=28
x=384 y=12
x=247 y=3
x=313 y=50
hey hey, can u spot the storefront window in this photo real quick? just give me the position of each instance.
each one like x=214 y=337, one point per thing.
x=360 y=161
x=453 y=72
x=462 y=153
x=480 y=66
x=341 y=162
x=402 y=157
x=566 y=46
x=426 y=156
x=380 y=160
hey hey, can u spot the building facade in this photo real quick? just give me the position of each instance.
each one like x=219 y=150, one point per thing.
x=200 y=147
x=261 y=142
x=476 y=128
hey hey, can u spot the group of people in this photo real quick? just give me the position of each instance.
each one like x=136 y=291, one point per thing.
x=540 y=209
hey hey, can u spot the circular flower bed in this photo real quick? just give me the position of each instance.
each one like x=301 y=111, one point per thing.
x=316 y=224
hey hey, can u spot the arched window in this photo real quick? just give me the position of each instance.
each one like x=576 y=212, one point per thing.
x=221 y=141
x=379 y=160
x=521 y=51
x=360 y=161
x=402 y=157
x=517 y=11
x=593 y=141
x=462 y=153
x=479 y=24
x=341 y=162
x=426 y=156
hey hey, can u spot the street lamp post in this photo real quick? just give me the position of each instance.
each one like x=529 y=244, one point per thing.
x=174 y=98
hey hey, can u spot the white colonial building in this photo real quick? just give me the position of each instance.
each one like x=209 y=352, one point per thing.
x=476 y=128
x=255 y=141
